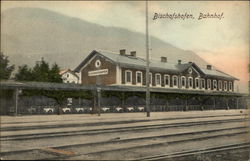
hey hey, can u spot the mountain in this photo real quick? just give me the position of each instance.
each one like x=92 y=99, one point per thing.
x=27 y=34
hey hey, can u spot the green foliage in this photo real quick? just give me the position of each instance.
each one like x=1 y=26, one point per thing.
x=39 y=73
x=24 y=73
x=54 y=75
x=5 y=68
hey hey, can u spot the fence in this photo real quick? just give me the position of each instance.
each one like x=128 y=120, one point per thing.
x=43 y=105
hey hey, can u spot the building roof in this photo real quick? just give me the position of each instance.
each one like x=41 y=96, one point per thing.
x=65 y=86
x=69 y=71
x=136 y=62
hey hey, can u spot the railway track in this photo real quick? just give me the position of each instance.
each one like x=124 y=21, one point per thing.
x=244 y=145
x=82 y=124
x=117 y=129
x=114 y=148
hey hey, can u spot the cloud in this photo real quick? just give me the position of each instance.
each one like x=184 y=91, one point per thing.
x=231 y=60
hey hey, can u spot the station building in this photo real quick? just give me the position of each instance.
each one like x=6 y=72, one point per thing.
x=111 y=69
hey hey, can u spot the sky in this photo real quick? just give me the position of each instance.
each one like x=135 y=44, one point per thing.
x=222 y=42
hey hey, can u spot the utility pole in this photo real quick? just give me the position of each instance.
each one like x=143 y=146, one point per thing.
x=147 y=65
x=16 y=101
x=98 y=91
x=99 y=100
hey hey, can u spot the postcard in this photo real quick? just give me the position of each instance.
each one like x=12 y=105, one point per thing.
x=124 y=80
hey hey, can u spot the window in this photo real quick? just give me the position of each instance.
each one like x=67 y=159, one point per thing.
x=225 y=85
x=197 y=84
x=166 y=80
x=214 y=84
x=157 y=79
x=175 y=81
x=208 y=84
x=67 y=75
x=183 y=82
x=220 y=85
x=128 y=77
x=230 y=86
x=150 y=79
x=97 y=63
x=139 y=77
x=203 y=83
x=190 y=82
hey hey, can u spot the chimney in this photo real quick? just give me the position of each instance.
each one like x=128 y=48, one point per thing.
x=133 y=53
x=209 y=67
x=164 y=59
x=122 y=51
x=179 y=61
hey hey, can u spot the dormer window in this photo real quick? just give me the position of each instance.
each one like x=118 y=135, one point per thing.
x=128 y=77
x=158 y=79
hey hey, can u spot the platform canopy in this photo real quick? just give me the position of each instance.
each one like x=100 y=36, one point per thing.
x=121 y=88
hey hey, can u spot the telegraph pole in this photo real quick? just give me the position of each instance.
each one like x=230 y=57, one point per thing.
x=98 y=90
x=147 y=65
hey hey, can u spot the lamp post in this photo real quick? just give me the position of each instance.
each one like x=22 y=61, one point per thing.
x=147 y=66
x=98 y=90
x=17 y=93
x=99 y=100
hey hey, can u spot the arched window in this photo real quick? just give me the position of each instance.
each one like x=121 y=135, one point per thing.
x=190 y=82
x=209 y=84
x=225 y=85
x=230 y=86
x=220 y=85
x=202 y=83
x=166 y=80
x=150 y=79
x=158 y=79
x=214 y=85
x=183 y=81
x=139 y=78
x=128 y=77
x=175 y=81
x=197 y=83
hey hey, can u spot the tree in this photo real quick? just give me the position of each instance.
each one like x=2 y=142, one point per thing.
x=39 y=73
x=5 y=68
x=54 y=75
x=24 y=73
